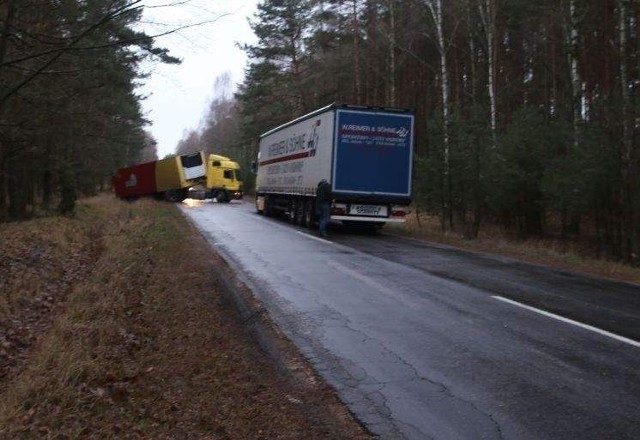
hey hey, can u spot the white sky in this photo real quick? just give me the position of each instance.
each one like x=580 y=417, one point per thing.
x=178 y=96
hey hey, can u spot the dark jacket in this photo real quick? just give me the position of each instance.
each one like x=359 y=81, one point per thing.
x=323 y=192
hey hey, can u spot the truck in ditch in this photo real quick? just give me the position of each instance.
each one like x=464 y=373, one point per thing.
x=176 y=178
x=366 y=153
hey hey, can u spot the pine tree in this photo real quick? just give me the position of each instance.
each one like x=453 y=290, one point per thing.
x=67 y=93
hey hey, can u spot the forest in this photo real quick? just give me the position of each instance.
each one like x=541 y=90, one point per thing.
x=527 y=111
x=69 y=111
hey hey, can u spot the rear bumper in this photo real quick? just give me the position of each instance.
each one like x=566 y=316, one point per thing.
x=367 y=219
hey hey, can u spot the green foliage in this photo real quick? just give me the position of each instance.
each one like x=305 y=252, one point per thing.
x=599 y=158
x=428 y=176
x=469 y=155
x=68 y=194
x=524 y=168
x=260 y=108
x=462 y=189
x=427 y=183
x=280 y=26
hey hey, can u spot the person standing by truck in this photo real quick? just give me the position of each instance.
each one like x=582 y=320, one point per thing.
x=323 y=200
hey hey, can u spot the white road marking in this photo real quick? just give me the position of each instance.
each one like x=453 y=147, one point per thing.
x=569 y=321
x=361 y=277
x=314 y=237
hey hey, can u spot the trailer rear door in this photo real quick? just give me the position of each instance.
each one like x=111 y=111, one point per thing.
x=373 y=153
x=193 y=166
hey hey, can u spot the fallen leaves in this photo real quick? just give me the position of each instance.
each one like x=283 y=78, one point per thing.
x=38 y=267
x=156 y=351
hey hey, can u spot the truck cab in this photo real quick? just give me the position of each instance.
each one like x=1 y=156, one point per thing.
x=223 y=178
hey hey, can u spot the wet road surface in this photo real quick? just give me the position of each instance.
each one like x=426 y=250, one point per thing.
x=426 y=341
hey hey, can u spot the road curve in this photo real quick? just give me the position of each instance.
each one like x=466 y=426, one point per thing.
x=424 y=341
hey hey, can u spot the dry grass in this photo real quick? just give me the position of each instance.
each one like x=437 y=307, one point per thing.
x=140 y=340
x=557 y=253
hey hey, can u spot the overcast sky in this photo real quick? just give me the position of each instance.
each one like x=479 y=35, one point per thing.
x=178 y=96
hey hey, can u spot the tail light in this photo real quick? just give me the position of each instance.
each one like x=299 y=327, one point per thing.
x=398 y=211
x=339 y=209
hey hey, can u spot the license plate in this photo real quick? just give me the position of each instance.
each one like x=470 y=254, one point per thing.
x=368 y=210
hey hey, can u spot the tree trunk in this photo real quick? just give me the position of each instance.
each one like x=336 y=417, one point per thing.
x=3 y=194
x=630 y=245
x=435 y=7
x=472 y=57
x=47 y=191
x=576 y=82
x=392 y=54
x=488 y=15
x=4 y=35
x=357 y=74
x=16 y=190
x=68 y=193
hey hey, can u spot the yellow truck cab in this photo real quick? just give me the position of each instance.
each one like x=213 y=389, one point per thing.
x=223 y=181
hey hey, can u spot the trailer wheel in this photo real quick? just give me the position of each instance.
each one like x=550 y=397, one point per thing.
x=300 y=211
x=293 y=207
x=268 y=211
x=309 y=214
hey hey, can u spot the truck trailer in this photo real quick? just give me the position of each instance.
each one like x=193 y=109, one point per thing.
x=366 y=153
x=178 y=177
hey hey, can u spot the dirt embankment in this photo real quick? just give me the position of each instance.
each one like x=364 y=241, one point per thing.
x=114 y=324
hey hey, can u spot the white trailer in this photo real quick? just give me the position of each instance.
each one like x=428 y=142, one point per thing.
x=365 y=153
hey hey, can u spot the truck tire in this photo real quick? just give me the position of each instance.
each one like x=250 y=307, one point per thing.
x=175 y=195
x=293 y=207
x=301 y=205
x=220 y=196
x=309 y=214
x=268 y=210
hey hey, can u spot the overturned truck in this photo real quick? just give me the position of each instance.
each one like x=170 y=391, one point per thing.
x=178 y=177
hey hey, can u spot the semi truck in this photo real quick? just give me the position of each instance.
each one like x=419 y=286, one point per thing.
x=177 y=177
x=366 y=153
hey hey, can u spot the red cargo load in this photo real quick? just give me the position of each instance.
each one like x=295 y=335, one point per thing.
x=135 y=181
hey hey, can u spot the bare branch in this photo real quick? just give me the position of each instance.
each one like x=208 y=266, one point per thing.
x=108 y=17
x=125 y=42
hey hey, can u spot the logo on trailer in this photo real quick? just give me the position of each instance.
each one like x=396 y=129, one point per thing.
x=312 y=144
x=296 y=146
x=402 y=132
x=131 y=181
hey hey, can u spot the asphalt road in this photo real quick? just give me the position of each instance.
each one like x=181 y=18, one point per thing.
x=424 y=341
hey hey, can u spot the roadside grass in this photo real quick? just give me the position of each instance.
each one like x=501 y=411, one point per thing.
x=564 y=255
x=33 y=260
x=138 y=338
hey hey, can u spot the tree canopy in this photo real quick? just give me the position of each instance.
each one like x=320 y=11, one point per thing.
x=69 y=111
